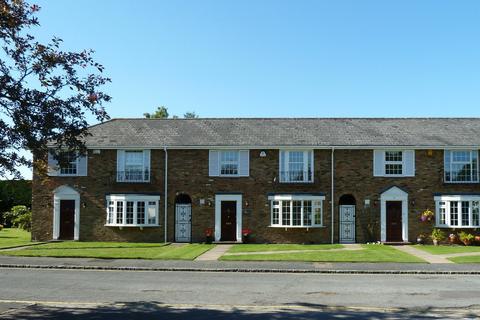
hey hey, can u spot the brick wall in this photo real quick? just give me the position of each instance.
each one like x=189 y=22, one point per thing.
x=188 y=173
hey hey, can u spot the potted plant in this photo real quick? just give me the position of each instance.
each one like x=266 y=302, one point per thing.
x=437 y=236
x=466 y=238
x=421 y=238
x=477 y=239
x=246 y=235
x=453 y=238
x=209 y=235
x=427 y=216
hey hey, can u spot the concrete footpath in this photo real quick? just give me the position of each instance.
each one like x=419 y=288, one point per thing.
x=236 y=266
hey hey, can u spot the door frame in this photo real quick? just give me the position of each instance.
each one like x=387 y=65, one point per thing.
x=218 y=214
x=393 y=194
x=65 y=193
x=354 y=222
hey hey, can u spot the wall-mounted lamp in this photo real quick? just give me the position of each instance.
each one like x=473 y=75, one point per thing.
x=246 y=203
x=430 y=152
x=84 y=205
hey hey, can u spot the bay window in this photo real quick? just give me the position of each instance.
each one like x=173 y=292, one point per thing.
x=461 y=211
x=296 y=211
x=130 y=210
x=461 y=166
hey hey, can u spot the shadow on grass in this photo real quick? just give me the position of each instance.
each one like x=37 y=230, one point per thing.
x=40 y=247
x=154 y=310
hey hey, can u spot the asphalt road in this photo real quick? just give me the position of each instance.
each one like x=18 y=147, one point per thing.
x=60 y=294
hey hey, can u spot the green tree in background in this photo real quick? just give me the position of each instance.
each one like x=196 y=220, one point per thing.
x=162 y=113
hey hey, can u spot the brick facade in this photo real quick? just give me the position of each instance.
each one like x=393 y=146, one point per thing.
x=188 y=174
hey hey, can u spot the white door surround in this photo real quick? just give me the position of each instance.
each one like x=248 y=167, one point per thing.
x=65 y=193
x=218 y=214
x=393 y=194
x=347 y=224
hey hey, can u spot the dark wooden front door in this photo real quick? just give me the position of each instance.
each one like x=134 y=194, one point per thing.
x=67 y=219
x=229 y=221
x=394 y=221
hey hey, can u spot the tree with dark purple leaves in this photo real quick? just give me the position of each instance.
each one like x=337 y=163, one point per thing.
x=45 y=93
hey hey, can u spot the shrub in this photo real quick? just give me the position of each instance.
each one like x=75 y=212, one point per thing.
x=438 y=234
x=465 y=237
x=20 y=217
x=1 y=227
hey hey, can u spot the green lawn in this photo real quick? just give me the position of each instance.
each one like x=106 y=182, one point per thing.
x=448 y=249
x=370 y=253
x=281 y=247
x=466 y=259
x=13 y=238
x=114 y=250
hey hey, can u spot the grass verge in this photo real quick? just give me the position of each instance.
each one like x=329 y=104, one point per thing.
x=447 y=249
x=370 y=253
x=466 y=259
x=114 y=250
x=281 y=247
x=12 y=237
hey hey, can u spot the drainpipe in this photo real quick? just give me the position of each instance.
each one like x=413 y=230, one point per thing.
x=332 y=174
x=166 y=193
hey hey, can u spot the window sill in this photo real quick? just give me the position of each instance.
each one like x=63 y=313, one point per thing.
x=296 y=227
x=134 y=181
x=461 y=182
x=296 y=182
x=133 y=225
x=456 y=227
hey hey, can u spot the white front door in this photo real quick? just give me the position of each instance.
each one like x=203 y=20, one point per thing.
x=347 y=224
x=183 y=222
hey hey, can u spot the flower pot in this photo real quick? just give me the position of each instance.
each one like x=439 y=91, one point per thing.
x=208 y=239
x=435 y=242
x=467 y=242
x=477 y=240
x=420 y=240
x=453 y=239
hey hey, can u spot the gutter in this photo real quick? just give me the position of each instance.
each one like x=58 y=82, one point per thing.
x=166 y=194
x=332 y=200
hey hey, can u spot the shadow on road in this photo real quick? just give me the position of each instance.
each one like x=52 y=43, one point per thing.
x=155 y=310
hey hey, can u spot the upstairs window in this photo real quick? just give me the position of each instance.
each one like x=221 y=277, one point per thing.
x=394 y=163
x=296 y=166
x=133 y=165
x=75 y=165
x=461 y=166
x=229 y=163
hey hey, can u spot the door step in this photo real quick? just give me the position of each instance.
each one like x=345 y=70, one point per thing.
x=226 y=242
x=396 y=243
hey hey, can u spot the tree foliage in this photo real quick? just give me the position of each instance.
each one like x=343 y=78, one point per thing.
x=19 y=217
x=190 y=115
x=45 y=92
x=160 y=113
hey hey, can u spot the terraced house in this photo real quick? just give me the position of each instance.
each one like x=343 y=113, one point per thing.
x=286 y=180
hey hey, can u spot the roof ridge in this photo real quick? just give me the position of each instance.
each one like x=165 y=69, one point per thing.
x=294 y=118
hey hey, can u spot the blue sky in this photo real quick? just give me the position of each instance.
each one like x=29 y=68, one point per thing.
x=279 y=58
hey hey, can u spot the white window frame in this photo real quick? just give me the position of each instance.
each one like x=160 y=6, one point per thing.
x=76 y=162
x=291 y=198
x=222 y=162
x=447 y=205
x=451 y=151
x=308 y=155
x=122 y=177
x=124 y=198
x=387 y=162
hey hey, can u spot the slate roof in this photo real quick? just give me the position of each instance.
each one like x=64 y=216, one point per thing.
x=271 y=132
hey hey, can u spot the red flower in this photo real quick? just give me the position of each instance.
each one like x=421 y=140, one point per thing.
x=246 y=232
x=208 y=232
